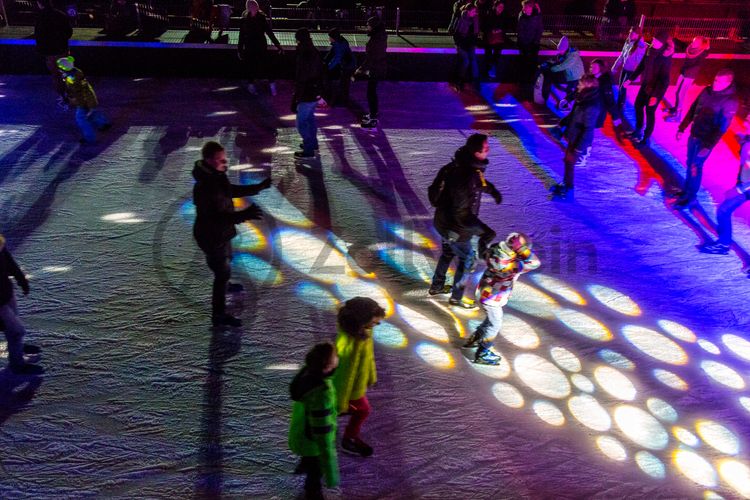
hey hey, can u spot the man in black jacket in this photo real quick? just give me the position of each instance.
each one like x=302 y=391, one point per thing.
x=374 y=67
x=52 y=32
x=711 y=113
x=529 y=37
x=654 y=67
x=14 y=330
x=215 y=220
x=456 y=193
x=308 y=85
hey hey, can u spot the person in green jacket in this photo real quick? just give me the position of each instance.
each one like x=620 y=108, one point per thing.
x=312 y=431
x=356 y=372
x=81 y=95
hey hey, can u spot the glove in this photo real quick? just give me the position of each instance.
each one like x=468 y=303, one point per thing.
x=253 y=212
x=265 y=184
x=498 y=197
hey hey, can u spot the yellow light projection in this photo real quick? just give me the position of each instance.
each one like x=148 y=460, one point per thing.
x=615 y=300
x=662 y=410
x=723 y=374
x=655 y=345
x=670 y=379
x=411 y=236
x=650 y=464
x=508 y=395
x=519 y=333
x=640 y=427
x=533 y=302
x=422 y=324
x=587 y=410
x=565 y=359
x=684 y=436
x=584 y=325
x=612 y=448
x=541 y=376
x=559 y=288
x=249 y=238
x=738 y=345
x=677 y=330
x=311 y=256
x=348 y=287
x=737 y=475
x=582 y=383
x=615 y=383
x=410 y=263
x=457 y=324
x=435 y=356
x=694 y=467
x=718 y=437
x=548 y=412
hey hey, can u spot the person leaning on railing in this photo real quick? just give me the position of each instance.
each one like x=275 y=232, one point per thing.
x=630 y=57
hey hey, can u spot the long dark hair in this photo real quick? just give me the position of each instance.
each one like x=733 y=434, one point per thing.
x=319 y=356
x=356 y=313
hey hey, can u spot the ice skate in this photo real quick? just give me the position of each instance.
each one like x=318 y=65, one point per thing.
x=235 y=288
x=487 y=357
x=369 y=123
x=226 y=320
x=462 y=304
x=27 y=369
x=440 y=290
x=31 y=349
x=356 y=446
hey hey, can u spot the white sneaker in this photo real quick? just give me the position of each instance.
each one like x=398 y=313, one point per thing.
x=272 y=87
x=251 y=88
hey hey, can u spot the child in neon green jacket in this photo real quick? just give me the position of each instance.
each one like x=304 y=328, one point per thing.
x=356 y=371
x=312 y=431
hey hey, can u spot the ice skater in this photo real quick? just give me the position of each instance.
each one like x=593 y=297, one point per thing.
x=456 y=194
x=565 y=69
x=465 y=38
x=52 y=32
x=356 y=372
x=215 y=220
x=9 y=320
x=631 y=55
x=308 y=87
x=695 y=54
x=340 y=64
x=81 y=95
x=374 y=68
x=506 y=262
x=252 y=48
x=312 y=431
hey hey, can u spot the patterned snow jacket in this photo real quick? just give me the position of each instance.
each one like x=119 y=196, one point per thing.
x=504 y=267
x=79 y=90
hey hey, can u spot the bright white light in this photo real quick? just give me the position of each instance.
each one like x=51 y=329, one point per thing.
x=333 y=127
x=583 y=324
x=284 y=366
x=738 y=345
x=745 y=402
x=719 y=437
x=435 y=356
x=118 y=216
x=684 y=436
x=389 y=335
x=477 y=107
x=276 y=149
x=615 y=300
x=723 y=374
x=651 y=465
x=56 y=269
x=709 y=347
x=612 y=448
x=655 y=344
x=695 y=467
x=249 y=238
x=670 y=379
x=582 y=383
x=712 y=495
x=317 y=296
x=288 y=117
x=130 y=221
x=662 y=410
x=221 y=113
x=565 y=359
x=531 y=301
x=507 y=395
x=246 y=167
x=519 y=333
x=677 y=330
x=737 y=475
x=258 y=269
x=541 y=376
x=422 y=324
x=548 y=412
x=559 y=288
x=641 y=428
x=348 y=287
x=226 y=89
x=615 y=383
x=587 y=410
x=616 y=359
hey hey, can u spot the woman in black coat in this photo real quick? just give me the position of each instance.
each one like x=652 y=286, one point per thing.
x=252 y=48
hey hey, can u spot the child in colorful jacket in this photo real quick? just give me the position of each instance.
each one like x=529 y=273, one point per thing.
x=356 y=372
x=506 y=261
x=312 y=432
x=81 y=95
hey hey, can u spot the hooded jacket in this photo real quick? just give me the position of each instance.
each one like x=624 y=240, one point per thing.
x=340 y=57
x=308 y=81
x=631 y=55
x=375 y=52
x=504 y=267
x=456 y=194
x=529 y=29
x=312 y=430
x=356 y=371
x=583 y=119
x=570 y=64
x=655 y=68
x=215 y=215
x=8 y=267
x=52 y=32
x=253 y=31
x=711 y=114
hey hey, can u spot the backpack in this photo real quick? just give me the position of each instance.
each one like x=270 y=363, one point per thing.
x=435 y=191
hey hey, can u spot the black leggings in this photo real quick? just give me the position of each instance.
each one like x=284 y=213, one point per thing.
x=219 y=260
x=372 y=96
x=641 y=104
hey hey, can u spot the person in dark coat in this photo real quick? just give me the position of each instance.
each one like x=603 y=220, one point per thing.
x=711 y=114
x=530 y=31
x=695 y=54
x=9 y=321
x=493 y=35
x=374 y=67
x=465 y=38
x=252 y=48
x=580 y=134
x=52 y=32
x=654 y=69
x=456 y=194
x=340 y=64
x=215 y=220
x=308 y=86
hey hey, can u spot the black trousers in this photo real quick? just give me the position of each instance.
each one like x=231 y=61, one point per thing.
x=313 y=487
x=219 y=260
x=641 y=106
x=528 y=59
x=372 y=96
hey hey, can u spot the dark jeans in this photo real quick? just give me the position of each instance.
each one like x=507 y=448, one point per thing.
x=694 y=169
x=306 y=126
x=492 y=58
x=339 y=82
x=465 y=254
x=641 y=105
x=14 y=332
x=528 y=57
x=311 y=466
x=467 y=69
x=724 y=215
x=372 y=96
x=622 y=93
x=219 y=260
x=574 y=158
x=551 y=77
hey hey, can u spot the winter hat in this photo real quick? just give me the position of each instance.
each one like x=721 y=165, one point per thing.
x=563 y=45
x=253 y=4
x=662 y=36
x=65 y=63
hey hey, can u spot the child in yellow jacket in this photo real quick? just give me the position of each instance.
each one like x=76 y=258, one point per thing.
x=81 y=95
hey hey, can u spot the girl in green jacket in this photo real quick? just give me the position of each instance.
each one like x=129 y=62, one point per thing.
x=356 y=371
x=312 y=432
